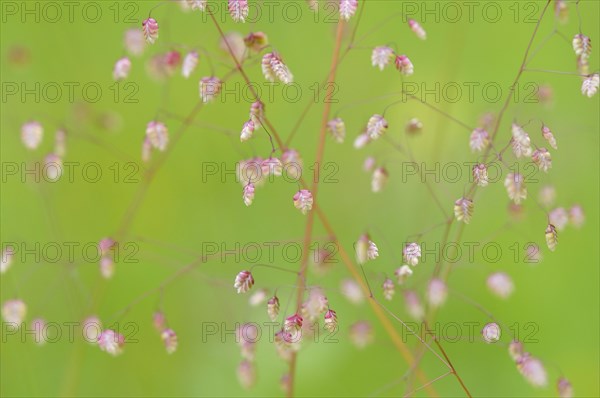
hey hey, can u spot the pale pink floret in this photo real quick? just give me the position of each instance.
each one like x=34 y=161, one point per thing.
x=551 y=236
x=243 y=281
x=31 y=134
x=565 y=389
x=500 y=284
x=480 y=175
x=576 y=216
x=463 y=210
x=238 y=9
x=403 y=273
x=361 y=334
x=189 y=64
x=361 y=141
x=39 y=325
x=376 y=126
x=331 y=321
x=14 y=311
x=437 y=291
x=382 y=56
x=246 y=374
x=134 y=41
x=366 y=249
x=542 y=158
x=197 y=4
x=404 y=65
x=521 y=143
x=293 y=323
x=388 y=289
x=122 y=68
x=582 y=45
x=111 y=342
x=169 y=338
x=351 y=291
x=417 y=29
x=548 y=136
x=491 y=332
x=515 y=187
x=379 y=179
x=274 y=68
x=479 y=140
x=91 y=329
x=247 y=131
x=209 y=88
x=337 y=128
x=559 y=218
x=303 y=200
x=248 y=194
x=347 y=8
x=273 y=308
x=589 y=87
x=53 y=167
x=7 y=259
x=413 y=305
x=157 y=135
x=150 y=29
x=412 y=253
x=533 y=370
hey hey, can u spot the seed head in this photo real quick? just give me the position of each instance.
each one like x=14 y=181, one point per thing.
x=565 y=389
x=273 y=308
x=111 y=342
x=337 y=128
x=521 y=143
x=404 y=65
x=257 y=113
x=366 y=249
x=157 y=135
x=500 y=284
x=559 y=218
x=480 y=175
x=589 y=86
x=412 y=253
x=347 y=8
x=388 y=289
x=293 y=323
x=238 y=9
x=256 y=41
x=463 y=210
x=379 y=179
x=331 y=322
x=551 y=237
x=274 y=68
x=413 y=305
x=376 y=126
x=272 y=166
x=209 y=88
x=31 y=134
x=542 y=158
x=480 y=139
x=292 y=162
x=515 y=187
x=134 y=41
x=382 y=56
x=532 y=370
x=303 y=200
x=150 y=29
x=169 y=338
x=14 y=311
x=121 y=69
x=582 y=45
x=189 y=64
x=403 y=273
x=417 y=28
x=361 y=334
x=437 y=291
x=315 y=305
x=561 y=11
x=548 y=136
x=243 y=281
x=248 y=194
x=576 y=216
x=491 y=333
x=247 y=131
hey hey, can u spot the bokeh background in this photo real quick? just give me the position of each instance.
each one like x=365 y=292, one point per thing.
x=180 y=210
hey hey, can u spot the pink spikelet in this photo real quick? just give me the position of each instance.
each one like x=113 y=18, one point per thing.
x=515 y=187
x=564 y=388
x=247 y=131
x=479 y=140
x=542 y=158
x=376 y=126
x=551 y=237
x=379 y=179
x=388 y=289
x=121 y=69
x=243 y=281
x=209 y=88
x=362 y=140
x=292 y=162
x=382 y=56
x=159 y=321
x=197 y=4
x=169 y=338
x=582 y=45
x=549 y=137
x=274 y=68
x=246 y=374
x=521 y=143
x=559 y=218
x=53 y=165
x=257 y=113
x=150 y=29
x=480 y=175
x=189 y=64
x=111 y=342
x=500 y=284
x=576 y=216
x=412 y=253
x=330 y=320
x=14 y=311
x=91 y=329
x=402 y=274
x=238 y=9
x=337 y=129
x=157 y=135
x=303 y=201
x=532 y=370
x=589 y=87
x=293 y=323
x=134 y=41
x=463 y=210
x=31 y=134
x=366 y=249
x=361 y=334
x=413 y=305
x=347 y=8
x=515 y=350
x=491 y=333
x=273 y=308
x=417 y=29
x=404 y=65
x=248 y=194
x=437 y=291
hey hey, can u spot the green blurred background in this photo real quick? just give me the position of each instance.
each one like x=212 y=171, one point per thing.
x=181 y=210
